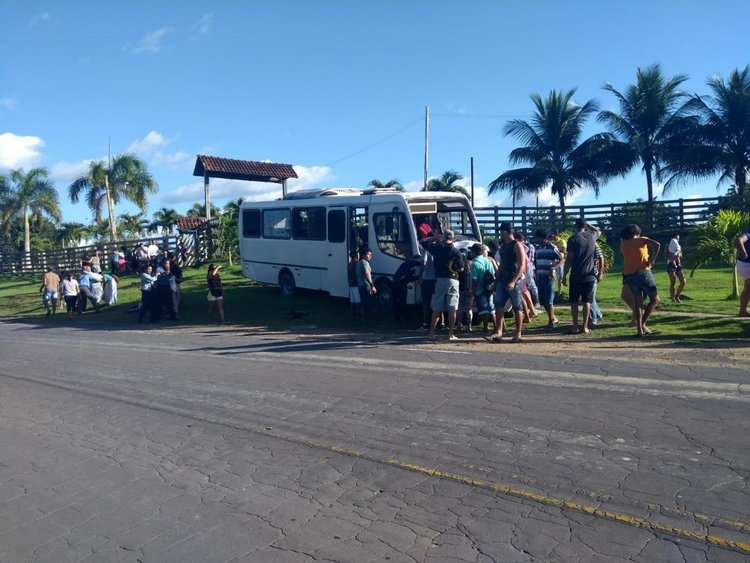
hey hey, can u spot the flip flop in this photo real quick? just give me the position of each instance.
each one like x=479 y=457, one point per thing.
x=585 y=331
x=495 y=338
x=516 y=339
x=574 y=331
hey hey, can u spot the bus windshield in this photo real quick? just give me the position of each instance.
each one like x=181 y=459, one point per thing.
x=446 y=214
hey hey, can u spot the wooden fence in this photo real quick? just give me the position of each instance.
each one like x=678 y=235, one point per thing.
x=658 y=219
x=195 y=247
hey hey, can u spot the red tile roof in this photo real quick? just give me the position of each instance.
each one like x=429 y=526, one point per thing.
x=191 y=223
x=249 y=170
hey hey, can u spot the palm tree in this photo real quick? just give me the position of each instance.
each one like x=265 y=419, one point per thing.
x=723 y=136
x=166 y=218
x=134 y=225
x=232 y=208
x=554 y=154
x=716 y=240
x=390 y=184
x=649 y=123
x=31 y=196
x=199 y=210
x=125 y=177
x=446 y=183
x=71 y=234
x=99 y=230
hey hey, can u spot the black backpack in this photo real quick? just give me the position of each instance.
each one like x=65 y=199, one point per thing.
x=488 y=282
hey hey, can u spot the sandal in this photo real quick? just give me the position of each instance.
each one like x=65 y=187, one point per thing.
x=496 y=338
x=516 y=339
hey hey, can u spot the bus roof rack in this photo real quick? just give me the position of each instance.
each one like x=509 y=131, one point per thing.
x=370 y=191
x=325 y=192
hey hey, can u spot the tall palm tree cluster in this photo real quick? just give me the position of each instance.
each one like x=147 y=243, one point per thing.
x=673 y=136
x=30 y=207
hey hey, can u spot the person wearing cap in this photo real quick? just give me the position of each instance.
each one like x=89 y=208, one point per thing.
x=512 y=264
x=448 y=263
x=580 y=263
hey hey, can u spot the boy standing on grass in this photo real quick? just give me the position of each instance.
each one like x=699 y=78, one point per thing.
x=637 y=274
x=674 y=268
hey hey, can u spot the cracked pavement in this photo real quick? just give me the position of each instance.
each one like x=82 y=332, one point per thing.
x=218 y=445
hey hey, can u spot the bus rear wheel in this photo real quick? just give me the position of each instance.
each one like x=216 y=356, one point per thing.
x=286 y=282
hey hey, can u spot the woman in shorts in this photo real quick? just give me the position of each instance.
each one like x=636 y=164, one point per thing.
x=215 y=293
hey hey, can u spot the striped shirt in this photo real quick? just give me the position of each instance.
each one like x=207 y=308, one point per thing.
x=547 y=255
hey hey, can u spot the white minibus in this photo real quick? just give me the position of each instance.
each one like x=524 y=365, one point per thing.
x=305 y=239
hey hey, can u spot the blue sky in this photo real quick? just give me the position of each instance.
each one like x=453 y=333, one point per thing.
x=313 y=83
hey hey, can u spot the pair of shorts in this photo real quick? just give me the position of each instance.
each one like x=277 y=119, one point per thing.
x=446 y=295
x=215 y=297
x=70 y=302
x=641 y=281
x=354 y=295
x=485 y=303
x=427 y=289
x=49 y=295
x=546 y=287
x=673 y=268
x=583 y=291
x=367 y=299
x=743 y=269
x=502 y=294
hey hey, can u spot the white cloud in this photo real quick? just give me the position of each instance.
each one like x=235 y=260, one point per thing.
x=150 y=148
x=203 y=25
x=67 y=172
x=222 y=189
x=8 y=103
x=148 y=145
x=39 y=18
x=151 y=42
x=19 y=151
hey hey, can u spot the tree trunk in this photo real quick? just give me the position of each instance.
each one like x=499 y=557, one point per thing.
x=650 y=203
x=735 y=282
x=563 y=217
x=26 y=231
x=739 y=180
x=111 y=209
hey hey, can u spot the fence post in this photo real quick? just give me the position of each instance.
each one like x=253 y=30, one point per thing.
x=682 y=215
x=552 y=218
x=523 y=220
x=495 y=227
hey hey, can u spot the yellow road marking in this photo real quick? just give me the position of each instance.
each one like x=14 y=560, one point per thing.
x=636 y=521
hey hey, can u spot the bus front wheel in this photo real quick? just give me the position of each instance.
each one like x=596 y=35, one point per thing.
x=385 y=295
x=286 y=282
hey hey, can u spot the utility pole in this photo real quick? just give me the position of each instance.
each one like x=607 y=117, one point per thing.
x=207 y=196
x=472 y=181
x=426 y=144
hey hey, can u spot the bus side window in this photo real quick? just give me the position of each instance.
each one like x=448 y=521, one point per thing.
x=251 y=223
x=393 y=234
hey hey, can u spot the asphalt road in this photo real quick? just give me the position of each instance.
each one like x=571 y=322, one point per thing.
x=221 y=444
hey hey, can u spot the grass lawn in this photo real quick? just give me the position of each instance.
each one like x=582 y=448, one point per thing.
x=254 y=305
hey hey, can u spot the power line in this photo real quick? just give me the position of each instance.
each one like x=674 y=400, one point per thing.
x=376 y=143
x=479 y=116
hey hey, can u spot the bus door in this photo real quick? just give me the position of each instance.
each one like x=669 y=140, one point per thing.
x=337 y=259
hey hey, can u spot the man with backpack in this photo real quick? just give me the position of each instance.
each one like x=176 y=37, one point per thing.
x=483 y=285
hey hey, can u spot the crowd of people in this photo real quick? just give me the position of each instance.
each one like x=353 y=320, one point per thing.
x=511 y=276
x=517 y=278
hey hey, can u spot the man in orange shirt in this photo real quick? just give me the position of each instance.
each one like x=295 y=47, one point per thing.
x=636 y=272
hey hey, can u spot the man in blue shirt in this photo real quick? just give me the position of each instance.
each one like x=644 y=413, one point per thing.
x=84 y=282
